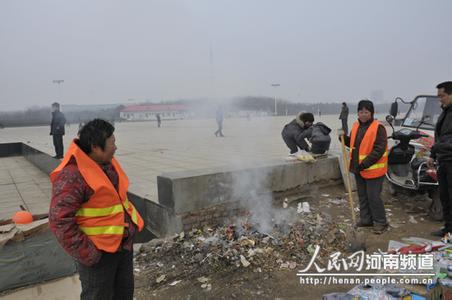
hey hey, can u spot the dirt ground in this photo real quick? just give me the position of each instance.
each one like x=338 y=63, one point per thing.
x=406 y=215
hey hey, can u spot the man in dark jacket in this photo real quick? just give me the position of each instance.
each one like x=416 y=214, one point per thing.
x=57 y=129
x=291 y=135
x=317 y=134
x=344 y=117
x=442 y=152
x=159 y=120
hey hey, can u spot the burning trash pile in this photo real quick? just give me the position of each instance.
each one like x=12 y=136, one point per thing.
x=200 y=252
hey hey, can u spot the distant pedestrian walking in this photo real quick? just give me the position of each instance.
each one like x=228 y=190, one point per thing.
x=80 y=124
x=159 y=120
x=344 y=117
x=57 y=129
x=219 y=118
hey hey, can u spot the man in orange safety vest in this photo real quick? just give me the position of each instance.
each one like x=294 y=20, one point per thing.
x=91 y=216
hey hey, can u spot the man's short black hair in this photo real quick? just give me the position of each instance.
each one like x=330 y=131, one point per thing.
x=307 y=117
x=56 y=104
x=447 y=86
x=343 y=103
x=94 y=133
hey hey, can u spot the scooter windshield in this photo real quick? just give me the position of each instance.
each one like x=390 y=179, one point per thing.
x=426 y=108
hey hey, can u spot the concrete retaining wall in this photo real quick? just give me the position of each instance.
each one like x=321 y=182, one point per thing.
x=43 y=161
x=10 y=149
x=185 y=193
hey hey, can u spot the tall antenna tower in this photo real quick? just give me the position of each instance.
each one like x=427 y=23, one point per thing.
x=211 y=71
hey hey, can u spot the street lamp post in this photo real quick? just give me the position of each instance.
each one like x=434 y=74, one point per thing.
x=58 y=82
x=275 y=85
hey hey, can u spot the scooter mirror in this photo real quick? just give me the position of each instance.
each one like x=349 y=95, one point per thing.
x=389 y=119
x=394 y=109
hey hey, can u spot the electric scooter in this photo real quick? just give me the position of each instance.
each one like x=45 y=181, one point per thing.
x=407 y=159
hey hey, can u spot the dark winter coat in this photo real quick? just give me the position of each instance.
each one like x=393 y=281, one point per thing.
x=319 y=137
x=344 y=113
x=57 y=124
x=442 y=148
x=293 y=131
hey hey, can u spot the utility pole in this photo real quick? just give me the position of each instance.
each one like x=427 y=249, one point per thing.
x=275 y=85
x=58 y=82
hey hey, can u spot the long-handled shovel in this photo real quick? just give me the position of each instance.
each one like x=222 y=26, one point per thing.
x=355 y=240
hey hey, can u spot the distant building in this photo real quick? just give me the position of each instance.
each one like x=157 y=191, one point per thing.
x=87 y=107
x=250 y=113
x=146 y=112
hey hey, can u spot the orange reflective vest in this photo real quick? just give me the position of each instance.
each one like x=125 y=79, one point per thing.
x=367 y=144
x=102 y=216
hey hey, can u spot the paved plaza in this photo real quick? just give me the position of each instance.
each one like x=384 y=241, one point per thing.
x=21 y=183
x=146 y=151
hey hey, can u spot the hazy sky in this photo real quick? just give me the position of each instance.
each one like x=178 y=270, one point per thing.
x=112 y=51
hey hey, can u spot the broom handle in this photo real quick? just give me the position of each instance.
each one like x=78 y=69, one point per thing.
x=349 y=181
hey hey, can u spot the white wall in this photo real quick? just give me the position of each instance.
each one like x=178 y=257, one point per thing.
x=143 y=116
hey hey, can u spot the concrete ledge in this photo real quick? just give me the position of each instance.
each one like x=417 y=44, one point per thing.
x=183 y=192
x=10 y=149
x=41 y=160
x=210 y=196
x=157 y=219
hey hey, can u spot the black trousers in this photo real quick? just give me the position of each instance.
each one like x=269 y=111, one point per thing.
x=290 y=142
x=371 y=207
x=110 y=278
x=445 y=192
x=58 y=143
x=220 y=129
x=290 y=135
x=345 y=126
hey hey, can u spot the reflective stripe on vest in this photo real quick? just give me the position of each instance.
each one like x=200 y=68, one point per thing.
x=376 y=166
x=362 y=157
x=99 y=212
x=103 y=230
x=134 y=213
